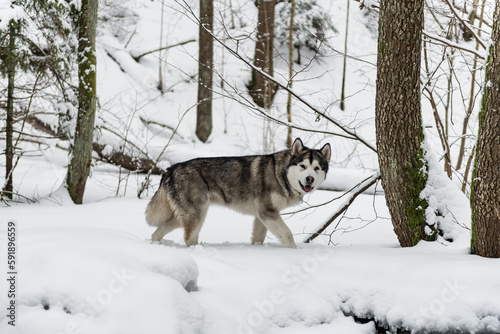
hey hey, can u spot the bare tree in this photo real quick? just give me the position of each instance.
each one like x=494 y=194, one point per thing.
x=485 y=194
x=205 y=71
x=398 y=119
x=290 y=76
x=11 y=74
x=261 y=89
x=81 y=156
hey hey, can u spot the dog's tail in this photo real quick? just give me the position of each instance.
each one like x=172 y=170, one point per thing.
x=159 y=210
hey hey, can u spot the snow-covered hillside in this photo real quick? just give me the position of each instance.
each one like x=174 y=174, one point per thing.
x=92 y=268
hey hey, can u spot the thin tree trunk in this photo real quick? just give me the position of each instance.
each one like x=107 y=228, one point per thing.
x=205 y=71
x=470 y=108
x=9 y=148
x=485 y=189
x=290 y=76
x=81 y=156
x=261 y=89
x=398 y=119
x=342 y=94
x=160 y=58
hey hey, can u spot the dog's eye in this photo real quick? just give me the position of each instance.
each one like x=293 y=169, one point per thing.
x=302 y=166
x=316 y=169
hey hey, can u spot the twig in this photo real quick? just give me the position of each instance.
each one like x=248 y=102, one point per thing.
x=350 y=132
x=362 y=187
x=465 y=24
x=137 y=58
x=435 y=38
x=145 y=183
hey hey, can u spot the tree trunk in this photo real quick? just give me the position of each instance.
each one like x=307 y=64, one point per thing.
x=485 y=189
x=342 y=93
x=398 y=118
x=79 y=168
x=205 y=71
x=260 y=88
x=290 y=76
x=9 y=148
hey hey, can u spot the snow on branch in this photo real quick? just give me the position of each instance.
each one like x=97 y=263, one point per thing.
x=351 y=196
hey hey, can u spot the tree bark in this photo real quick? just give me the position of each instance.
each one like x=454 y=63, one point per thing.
x=485 y=189
x=290 y=75
x=9 y=148
x=262 y=89
x=398 y=117
x=205 y=71
x=79 y=168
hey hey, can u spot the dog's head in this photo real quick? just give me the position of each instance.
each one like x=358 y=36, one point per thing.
x=308 y=167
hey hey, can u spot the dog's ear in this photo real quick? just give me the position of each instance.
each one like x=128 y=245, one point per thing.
x=326 y=151
x=297 y=146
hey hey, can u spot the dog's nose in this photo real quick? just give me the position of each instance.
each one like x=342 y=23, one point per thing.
x=309 y=179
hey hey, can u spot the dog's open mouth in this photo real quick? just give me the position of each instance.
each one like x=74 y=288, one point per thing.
x=307 y=188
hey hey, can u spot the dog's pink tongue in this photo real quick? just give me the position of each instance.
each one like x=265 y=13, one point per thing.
x=308 y=188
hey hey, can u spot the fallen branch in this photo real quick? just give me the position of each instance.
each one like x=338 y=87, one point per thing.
x=140 y=165
x=137 y=58
x=126 y=161
x=360 y=188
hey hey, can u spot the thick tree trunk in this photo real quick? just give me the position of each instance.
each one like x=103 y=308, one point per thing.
x=485 y=189
x=9 y=148
x=205 y=71
x=260 y=88
x=79 y=168
x=398 y=117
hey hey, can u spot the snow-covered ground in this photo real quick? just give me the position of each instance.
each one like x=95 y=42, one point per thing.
x=92 y=269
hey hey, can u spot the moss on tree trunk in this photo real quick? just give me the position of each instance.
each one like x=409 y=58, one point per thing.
x=485 y=188
x=81 y=156
x=398 y=117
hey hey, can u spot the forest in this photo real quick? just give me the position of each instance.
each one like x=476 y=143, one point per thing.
x=99 y=98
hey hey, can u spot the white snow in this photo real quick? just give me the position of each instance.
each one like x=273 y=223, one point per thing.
x=92 y=268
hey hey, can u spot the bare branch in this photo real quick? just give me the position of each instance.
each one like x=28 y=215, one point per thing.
x=361 y=187
x=235 y=53
x=435 y=38
x=138 y=57
x=465 y=24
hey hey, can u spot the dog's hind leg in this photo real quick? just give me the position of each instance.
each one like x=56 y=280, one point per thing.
x=259 y=232
x=165 y=228
x=192 y=226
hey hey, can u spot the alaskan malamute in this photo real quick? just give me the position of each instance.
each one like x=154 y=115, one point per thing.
x=258 y=185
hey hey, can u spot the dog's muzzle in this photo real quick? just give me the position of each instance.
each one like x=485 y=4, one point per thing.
x=308 y=186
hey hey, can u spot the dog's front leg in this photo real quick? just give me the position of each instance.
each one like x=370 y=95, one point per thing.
x=271 y=219
x=259 y=232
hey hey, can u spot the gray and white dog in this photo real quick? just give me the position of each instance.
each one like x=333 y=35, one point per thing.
x=258 y=185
